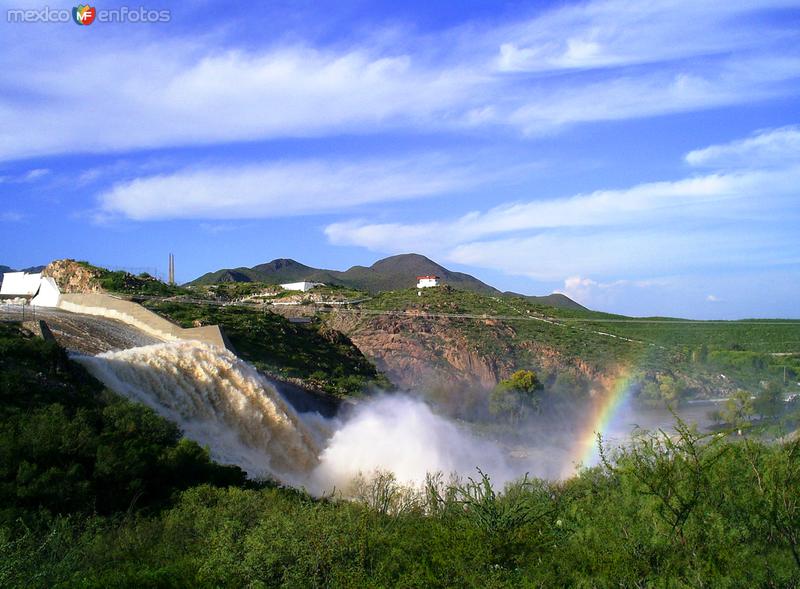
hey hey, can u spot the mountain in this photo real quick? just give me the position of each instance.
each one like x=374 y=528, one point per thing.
x=552 y=300
x=392 y=273
x=33 y=269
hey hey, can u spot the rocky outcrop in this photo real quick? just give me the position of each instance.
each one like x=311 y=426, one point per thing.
x=420 y=352
x=424 y=352
x=73 y=277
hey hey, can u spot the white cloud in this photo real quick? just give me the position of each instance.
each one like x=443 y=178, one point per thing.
x=623 y=251
x=769 y=148
x=26 y=177
x=195 y=91
x=579 y=289
x=283 y=188
x=11 y=217
x=552 y=106
x=653 y=229
x=713 y=299
x=216 y=228
x=590 y=292
x=610 y=33
x=35 y=174
x=683 y=202
x=189 y=96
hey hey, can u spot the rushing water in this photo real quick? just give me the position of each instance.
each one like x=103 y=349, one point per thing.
x=218 y=400
x=223 y=403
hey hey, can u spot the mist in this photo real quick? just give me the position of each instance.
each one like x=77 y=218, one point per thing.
x=403 y=435
x=226 y=405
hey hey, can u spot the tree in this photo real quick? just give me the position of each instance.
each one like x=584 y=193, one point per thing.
x=515 y=397
x=769 y=401
x=664 y=389
x=738 y=409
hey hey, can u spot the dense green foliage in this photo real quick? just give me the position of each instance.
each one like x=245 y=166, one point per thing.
x=685 y=513
x=516 y=397
x=67 y=445
x=89 y=484
x=322 y=357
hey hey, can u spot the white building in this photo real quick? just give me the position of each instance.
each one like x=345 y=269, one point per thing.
x=302 y=286
x=42 y=291
x=20 y=284
x=427 y=281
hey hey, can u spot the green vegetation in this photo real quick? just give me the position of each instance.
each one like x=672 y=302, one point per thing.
x=67 y=445
x=499 y=326
x=392 y=273
x=671 y=359
x=321 y=357
x=98 y=492
x=126 y=283
x=515 y=397
x=233 y=291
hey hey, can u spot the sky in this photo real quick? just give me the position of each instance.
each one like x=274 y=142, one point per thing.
x=641 y=157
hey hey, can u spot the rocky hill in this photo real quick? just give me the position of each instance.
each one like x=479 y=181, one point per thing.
x=457 y=340
x=392 y=273
x=74 y=277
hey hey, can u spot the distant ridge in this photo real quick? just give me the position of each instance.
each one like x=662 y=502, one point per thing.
x=32 y=269
x=392 y=273
x=555 y=299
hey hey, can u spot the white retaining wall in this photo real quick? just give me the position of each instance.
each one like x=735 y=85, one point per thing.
x=139 y=317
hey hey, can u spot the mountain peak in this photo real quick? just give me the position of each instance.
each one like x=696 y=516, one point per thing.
x=411 y=262
x=280 y=263
x=392 y=273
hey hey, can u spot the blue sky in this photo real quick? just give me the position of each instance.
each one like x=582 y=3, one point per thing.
x=641 y=157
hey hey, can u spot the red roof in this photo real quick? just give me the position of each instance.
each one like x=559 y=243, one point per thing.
x=431 y=277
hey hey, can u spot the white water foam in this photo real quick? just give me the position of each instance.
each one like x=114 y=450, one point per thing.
x=223 y=403
x=217 y=400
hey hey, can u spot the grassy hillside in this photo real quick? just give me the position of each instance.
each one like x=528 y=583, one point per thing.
x=322 y=358
x=704 y=358
x=392 y=273
x=552 y=300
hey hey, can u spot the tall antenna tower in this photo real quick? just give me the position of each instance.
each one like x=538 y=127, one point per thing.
x=172 y=269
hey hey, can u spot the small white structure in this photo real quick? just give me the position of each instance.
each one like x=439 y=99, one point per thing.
x=20 y=284
x=301 y=286
x=49 y=294
x=42 y=291
x=427 y=281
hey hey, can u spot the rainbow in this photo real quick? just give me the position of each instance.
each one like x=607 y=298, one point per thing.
x=585 y=451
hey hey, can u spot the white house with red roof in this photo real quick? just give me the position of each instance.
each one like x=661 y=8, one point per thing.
x=428 y=281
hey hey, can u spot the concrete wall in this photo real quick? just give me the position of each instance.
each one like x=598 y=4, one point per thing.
x=20 y=284
x=139 y=317
x=48 y=295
